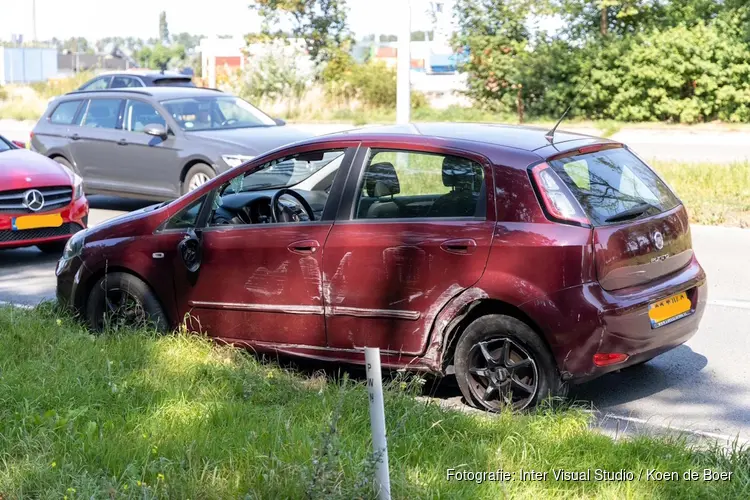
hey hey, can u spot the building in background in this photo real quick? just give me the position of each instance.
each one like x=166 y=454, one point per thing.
x=27 y=64
x=220 y=55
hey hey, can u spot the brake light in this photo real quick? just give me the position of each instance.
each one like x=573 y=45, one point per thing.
x=557 y=198
x=609 y=358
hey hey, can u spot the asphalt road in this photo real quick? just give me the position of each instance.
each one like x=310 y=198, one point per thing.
x=703 y=385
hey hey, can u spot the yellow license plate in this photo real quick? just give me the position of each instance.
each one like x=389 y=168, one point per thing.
x=37 y=221
x=669 y=310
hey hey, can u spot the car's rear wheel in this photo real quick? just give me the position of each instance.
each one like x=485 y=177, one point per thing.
x=55 y=248
x=199 y=174
x=121 y=300
x=501 y=362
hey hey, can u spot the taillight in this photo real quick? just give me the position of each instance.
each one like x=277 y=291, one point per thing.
x=557 y=198
x=609 y=358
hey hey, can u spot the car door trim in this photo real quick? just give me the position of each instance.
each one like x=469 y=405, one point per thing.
x=319 y=310
x=237 y=306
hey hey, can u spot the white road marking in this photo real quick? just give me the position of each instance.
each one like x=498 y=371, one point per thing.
x=711 y=435
x=739 y=304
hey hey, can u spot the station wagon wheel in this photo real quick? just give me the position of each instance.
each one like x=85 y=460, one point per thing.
x=199 y=174
x=501 y=362
x=121 y=300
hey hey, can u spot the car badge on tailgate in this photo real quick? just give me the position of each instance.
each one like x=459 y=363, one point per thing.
x=658 y=240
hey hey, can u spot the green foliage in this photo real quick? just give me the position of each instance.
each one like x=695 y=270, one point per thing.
x=274 y=76
x=3 y=94
x=320 y=23
x=161 y=56
x=136 y=415
x=163 y=27
x=657 y=60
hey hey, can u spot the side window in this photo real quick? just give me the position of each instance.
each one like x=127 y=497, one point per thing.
x=246 y=198
x=187 y=217
x=122 y=82
x=65 y=113
x=98 y=84
x=138 y=114
x=102 y=113
x=406 y=184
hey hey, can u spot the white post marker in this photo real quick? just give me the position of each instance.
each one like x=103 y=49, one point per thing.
x=403 y=82
x=377 y=421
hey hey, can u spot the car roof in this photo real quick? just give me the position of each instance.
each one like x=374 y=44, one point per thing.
x=488 y=136
x=159 y=93
x=151 y=73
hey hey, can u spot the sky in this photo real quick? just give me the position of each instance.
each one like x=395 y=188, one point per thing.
x=95 y=19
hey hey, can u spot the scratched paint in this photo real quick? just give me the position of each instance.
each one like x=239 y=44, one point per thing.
x=268 y=283
x=337 y=282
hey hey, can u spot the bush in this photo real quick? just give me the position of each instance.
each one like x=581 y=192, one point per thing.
x=3 y=94
x=679 y=74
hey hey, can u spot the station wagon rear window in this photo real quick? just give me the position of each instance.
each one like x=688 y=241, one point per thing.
x=65 y=112
x=613 y=185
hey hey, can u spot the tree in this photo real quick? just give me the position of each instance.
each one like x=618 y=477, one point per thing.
x=77 y=44
x=321 y=24
x=163 y=28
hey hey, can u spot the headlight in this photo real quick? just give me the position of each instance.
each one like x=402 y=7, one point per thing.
x=236 y=160
x=77 y=186
x=74 y=246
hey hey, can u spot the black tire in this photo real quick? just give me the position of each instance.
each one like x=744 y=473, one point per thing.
x=55 y=248
x=197 y=171
x=65 y=163
x=139 y=308
x=536 y=370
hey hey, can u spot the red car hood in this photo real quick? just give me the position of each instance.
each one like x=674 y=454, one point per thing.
x=21 y=168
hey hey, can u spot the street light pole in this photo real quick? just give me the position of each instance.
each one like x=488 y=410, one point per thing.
x=403 y=86
x=33 y=20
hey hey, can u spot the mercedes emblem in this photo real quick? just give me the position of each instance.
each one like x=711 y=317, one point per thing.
x=33 y=199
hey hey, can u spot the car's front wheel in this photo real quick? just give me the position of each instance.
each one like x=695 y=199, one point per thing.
x=501 y=362
x=121 y=300
x=199 y=174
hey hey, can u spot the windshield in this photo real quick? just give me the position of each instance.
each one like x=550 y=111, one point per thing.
x=216 y=113
x=4 y=146
x=286 y=172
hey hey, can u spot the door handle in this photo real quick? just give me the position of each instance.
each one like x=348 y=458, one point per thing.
x=122 y=142
x=304 y=247
x=459 y=247
x=75 y=137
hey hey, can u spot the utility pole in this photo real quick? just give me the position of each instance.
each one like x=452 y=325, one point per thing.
x=33 y=20
x=403 y=86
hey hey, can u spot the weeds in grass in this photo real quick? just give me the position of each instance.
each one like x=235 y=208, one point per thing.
x=137 y=415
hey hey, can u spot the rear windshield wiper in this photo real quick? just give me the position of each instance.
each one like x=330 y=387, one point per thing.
x=630 y=213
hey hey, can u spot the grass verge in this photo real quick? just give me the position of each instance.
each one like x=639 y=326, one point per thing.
x=135 y=415
x=713 y=194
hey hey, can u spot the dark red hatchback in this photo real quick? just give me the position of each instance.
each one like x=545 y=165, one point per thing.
x=517 y=262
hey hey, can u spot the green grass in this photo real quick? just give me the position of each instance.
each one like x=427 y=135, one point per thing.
x=713 y=194
x=139 y=416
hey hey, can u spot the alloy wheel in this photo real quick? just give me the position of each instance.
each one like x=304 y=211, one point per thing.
x=122 y=310
x=198 y=180
x=502 y=374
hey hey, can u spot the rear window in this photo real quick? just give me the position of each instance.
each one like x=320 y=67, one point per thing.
x=613 y=186
x=65 y=113
x=174 y=82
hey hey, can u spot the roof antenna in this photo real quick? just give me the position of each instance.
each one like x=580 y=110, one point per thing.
x=550 y=136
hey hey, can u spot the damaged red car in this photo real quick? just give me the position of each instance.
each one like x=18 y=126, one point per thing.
x=517 y=260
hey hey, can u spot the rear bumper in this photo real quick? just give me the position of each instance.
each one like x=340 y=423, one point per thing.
x=599 y=321
x=74 y=218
